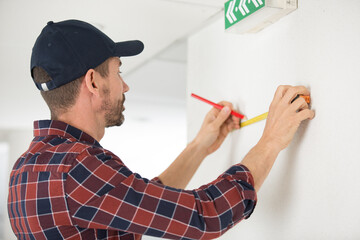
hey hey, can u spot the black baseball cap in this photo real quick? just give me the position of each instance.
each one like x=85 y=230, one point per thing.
x=67 y=50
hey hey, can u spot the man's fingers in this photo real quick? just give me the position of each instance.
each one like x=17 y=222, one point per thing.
x=306 y=114
x=292 y=92
x=229 y=120
x=298 y=105
x=286 y=114
x=235 y=122
x=280 y=91
x=222 y=117
x=287 y=93
x=224 y=103
x=214 y=112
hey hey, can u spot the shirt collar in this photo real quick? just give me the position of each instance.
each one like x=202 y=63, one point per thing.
x=59 y=128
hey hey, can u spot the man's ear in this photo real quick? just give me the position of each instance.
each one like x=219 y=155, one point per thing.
x=91 y=82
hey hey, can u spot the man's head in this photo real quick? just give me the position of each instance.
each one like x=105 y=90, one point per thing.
x=111 y=92
x=62 y=57
x=60 y=99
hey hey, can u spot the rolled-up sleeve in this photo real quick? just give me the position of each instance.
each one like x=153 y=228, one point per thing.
x=102 y=193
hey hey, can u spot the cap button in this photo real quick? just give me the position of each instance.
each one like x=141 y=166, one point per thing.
x=50 y=22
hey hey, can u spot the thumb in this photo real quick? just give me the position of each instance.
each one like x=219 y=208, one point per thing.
x=221 y=118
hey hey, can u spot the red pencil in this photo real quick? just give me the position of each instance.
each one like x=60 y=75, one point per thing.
x=236 y=114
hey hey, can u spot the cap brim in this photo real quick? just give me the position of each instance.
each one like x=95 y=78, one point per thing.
x=129 y=48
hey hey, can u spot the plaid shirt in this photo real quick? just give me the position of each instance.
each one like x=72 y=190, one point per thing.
x=66 y=186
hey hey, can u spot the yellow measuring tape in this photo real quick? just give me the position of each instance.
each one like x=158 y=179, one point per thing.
x=254 y=120
x=264 y=115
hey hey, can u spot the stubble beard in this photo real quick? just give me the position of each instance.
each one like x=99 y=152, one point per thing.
x=113 y=111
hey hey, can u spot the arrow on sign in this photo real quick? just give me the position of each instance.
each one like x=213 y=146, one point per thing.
x=243 y=8
x=255 y=2
x=230 y=13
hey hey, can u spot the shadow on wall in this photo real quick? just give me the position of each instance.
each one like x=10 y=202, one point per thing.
x=278 y=195
x=283 y=186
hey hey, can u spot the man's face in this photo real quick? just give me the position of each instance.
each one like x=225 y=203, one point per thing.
x=113 y=95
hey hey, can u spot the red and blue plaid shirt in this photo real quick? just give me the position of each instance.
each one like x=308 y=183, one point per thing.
x=66 y=186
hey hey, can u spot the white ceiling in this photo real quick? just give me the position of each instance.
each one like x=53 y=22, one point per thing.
x=160 y=24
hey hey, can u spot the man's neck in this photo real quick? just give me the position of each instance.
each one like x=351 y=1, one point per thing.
x=85 y=122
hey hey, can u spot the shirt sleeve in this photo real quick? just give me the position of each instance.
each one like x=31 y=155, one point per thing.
x=102 y=193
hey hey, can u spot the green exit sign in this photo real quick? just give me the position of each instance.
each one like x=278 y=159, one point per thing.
x=237 y=10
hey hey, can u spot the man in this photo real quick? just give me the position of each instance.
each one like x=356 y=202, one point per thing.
x=66 y=186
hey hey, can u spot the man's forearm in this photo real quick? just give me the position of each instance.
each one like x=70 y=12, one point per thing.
x=180 y=172
x=260 y=160
x=216 y=126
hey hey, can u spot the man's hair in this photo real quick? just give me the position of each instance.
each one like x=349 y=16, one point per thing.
x=60 y=99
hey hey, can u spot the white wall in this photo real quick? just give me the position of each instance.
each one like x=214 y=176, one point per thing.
x=4 y=158
x=313 y=189
x=16 y=142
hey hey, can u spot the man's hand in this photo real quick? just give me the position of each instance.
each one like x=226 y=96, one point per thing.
x=285 y=116
x=216 y=126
